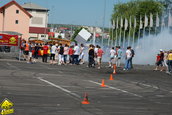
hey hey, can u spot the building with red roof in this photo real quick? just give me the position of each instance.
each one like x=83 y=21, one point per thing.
x=14 y=18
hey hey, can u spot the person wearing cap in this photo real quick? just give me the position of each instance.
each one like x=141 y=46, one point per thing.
x=160 y=61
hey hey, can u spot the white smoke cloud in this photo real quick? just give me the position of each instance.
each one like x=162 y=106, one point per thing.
x=150 y=45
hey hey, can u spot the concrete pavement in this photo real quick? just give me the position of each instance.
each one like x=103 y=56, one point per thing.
x=43 y=89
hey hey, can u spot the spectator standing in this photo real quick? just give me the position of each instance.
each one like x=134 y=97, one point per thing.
x=166 y=60
x=26 y=51
x=66 y=52
x=99 y=57
x=95 y=51
x=112 y=56
x=53 y=53
x=81 y=56
x=162 y=59
x=76 y=54
x=31 y=48
x=170 y=62
x=61 y=52
x=36 y=50
x=45 y=53
x=91 y=55
x=158 y=62
x=119 y=56
x=71 y=52
x=128 y=57
x=132 y=55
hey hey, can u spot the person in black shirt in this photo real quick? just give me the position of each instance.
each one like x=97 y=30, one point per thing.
x=36 y=50
x=91 y=56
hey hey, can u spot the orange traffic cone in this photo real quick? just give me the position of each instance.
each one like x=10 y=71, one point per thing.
x=114 y=69
x=85 y=101
x=111 y=77
x=103 y=83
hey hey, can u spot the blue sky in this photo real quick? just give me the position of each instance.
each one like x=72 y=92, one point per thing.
x=77 y=12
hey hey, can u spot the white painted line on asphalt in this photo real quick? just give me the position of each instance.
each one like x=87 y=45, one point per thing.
x=61 y=88
x=44 y=74
x=147 y=85
x=152 y=86
x=110 y=87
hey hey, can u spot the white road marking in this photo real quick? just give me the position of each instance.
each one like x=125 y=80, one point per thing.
x=116 y=89
x=44 y=74
x=147 y=85
x=152 y=86
x=76 y=96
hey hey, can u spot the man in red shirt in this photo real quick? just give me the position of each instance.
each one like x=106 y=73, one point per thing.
x=45 y=53
x=158 y=61
x=71 y=52
x=99 y=56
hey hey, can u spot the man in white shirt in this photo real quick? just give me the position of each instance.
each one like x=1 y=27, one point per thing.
x=76 y=54
x=112 y=57
x=128 y=59
x=53 y=52
x=96 y=50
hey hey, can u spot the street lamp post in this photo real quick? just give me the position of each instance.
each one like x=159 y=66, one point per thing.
x=104 y=21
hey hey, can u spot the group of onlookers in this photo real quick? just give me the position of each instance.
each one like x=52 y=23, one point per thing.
x=164 y=61
x=74 y=54
x=115 y=56
x=129 y=58
x=56 y=52
x=95 y=54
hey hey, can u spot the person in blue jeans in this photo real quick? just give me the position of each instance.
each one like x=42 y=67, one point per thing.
x=128 y=59
x=76 y=54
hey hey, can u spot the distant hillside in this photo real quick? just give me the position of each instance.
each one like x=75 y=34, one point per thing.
x=70 y=26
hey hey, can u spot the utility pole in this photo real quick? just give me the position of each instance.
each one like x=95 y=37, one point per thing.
x=104 y=21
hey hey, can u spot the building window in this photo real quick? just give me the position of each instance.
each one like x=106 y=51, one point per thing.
x=17 y=22
x=42 y=36
x=17 y=11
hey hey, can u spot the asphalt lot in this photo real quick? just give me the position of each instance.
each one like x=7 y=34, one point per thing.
x=43 y=89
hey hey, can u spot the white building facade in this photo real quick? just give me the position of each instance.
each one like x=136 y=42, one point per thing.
x=39 y=21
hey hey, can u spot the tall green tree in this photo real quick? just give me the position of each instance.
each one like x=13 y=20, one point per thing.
x=136 y=8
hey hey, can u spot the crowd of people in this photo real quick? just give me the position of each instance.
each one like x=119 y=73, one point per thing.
x=74 y=55
x=57 y=53
x=164 y=61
